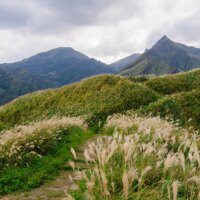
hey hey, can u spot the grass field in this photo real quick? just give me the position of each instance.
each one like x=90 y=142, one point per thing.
x=38 y=130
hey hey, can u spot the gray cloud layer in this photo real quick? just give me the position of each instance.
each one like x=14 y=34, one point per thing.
x=105 y=29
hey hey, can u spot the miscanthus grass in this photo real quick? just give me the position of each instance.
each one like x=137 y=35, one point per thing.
x=22 y=143
x=144 y=158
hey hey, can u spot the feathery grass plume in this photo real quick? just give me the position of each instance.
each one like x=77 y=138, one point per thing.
x=132 y=174
x=127 y=179
x=195 y=179
x=87 y=156
x=175 y=186
x=195 y=152
x=134 y=162
x=104 y=182
x=170 y=161
x=125 y=185
x=88 y=196
x=90 y=186
x=182 y=160
x=168 y=191
x=145 y=170
x=72 y=164
x=159 y=163
x=73 y=153
x=70 y=178
x=36 y=138
x=128 y=149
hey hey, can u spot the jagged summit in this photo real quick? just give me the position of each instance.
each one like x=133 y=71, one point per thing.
x=165 y=57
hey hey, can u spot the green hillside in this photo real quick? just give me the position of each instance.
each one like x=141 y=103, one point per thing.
x=180 y=97
x=182 y=82
x=100 y=96
x=183 y=107
x=35 y=152
x=92 y=98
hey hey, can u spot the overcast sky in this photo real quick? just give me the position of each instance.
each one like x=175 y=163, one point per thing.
x=103 y=29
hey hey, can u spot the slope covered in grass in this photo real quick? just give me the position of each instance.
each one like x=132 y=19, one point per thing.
x=180 y=97
x=95 y=98
x=33 y=150
x=182 y=82
x=183 y=107
x=33 y=154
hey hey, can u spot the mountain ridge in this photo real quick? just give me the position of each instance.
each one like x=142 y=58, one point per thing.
x=124 y=62
x=175 y=57
x=53 y=68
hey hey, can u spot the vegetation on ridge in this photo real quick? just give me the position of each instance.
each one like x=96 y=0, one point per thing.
x=94 y=98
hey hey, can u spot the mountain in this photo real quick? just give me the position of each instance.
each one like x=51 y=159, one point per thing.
x=61 y=66
x=49 y=69
x=125 y=62
x=165 y=57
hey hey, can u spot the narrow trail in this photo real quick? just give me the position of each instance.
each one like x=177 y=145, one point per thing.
x=56 y=189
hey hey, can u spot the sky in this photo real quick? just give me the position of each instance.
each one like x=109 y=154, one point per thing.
x=103 y=29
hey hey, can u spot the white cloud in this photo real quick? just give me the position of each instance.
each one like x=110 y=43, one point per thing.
x=106 y=30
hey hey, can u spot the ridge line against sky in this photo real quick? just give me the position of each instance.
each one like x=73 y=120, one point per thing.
x=106 y=30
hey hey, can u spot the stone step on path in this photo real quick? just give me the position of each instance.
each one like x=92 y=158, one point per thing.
x=56 y=189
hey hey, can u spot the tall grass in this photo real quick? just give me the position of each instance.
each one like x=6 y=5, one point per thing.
x=22 y=143
x=94 y=99
x=170 y=84
x=144 y=158
x=32 y=154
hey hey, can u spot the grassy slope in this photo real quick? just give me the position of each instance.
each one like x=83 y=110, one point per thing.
x=100 y=96
x=183 y=107
x=26 y=177
x=180 y=97
x=95 y=98
x=182 y=82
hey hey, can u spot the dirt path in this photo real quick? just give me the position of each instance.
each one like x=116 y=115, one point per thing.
x=54 y=190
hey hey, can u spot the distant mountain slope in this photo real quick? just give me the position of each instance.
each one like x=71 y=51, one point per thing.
x=149 y=64
x=125 y=62
x=53 y=68
x=165 y=57
x=60 y=66
x=12 y=86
